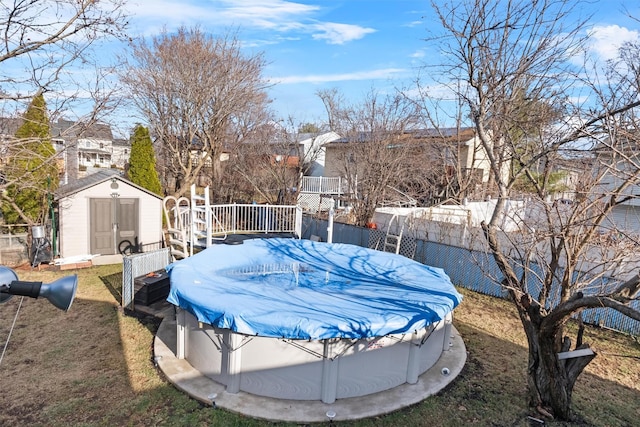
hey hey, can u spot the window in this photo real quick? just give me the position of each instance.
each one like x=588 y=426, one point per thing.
x=101 y=145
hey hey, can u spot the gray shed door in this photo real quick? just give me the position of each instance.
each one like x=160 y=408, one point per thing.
x=128 y=214
x=109 y=216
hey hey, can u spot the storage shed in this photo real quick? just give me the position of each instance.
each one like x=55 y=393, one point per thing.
x=103 y=213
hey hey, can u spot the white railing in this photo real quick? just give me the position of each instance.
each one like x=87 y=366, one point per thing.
x=196 y=222
x=323 y=185
x=252 y=219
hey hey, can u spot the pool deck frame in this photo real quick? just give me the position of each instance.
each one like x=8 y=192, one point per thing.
x=189 y=380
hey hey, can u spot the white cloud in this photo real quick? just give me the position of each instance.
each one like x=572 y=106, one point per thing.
x=336 y=33
x=169 y=12
x=251 y=12
x=606 y=40
x=415 y=23
x=384 y=73
x=260 y=42
x=280 y=16
x=271 y=10
x=433 y=91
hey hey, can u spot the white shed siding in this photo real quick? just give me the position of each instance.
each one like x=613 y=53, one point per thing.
x=74 y=216
x=74 y=225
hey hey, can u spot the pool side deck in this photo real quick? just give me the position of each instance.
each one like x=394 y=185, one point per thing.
x=187 y=379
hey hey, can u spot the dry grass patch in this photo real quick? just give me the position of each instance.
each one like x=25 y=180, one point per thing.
x=93 y=366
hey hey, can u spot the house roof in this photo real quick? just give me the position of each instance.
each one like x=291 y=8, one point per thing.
x=9 y=125
x=93 y=180
x=62 y=129
x=68 y=128
x=122 y=142
x=627 y=144
x=462 y=135
x=317 y=138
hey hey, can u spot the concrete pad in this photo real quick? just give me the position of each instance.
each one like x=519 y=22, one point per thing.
x=187 y=379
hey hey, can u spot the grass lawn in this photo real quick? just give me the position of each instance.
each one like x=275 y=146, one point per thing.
x=92 y=366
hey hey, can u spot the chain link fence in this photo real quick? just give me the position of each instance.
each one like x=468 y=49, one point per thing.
x=14 y=245
x=471 y=269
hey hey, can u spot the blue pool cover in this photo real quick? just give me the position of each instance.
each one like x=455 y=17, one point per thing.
x=300 y=289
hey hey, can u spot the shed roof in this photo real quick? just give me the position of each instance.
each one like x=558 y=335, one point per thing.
x=93 y=180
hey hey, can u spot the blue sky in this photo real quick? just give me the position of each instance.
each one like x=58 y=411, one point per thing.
x=351 y=45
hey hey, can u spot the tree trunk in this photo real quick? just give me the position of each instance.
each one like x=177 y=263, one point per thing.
x=550 y=379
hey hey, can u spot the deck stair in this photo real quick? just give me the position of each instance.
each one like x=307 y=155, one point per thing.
x=195 y=223
x=176 y=214
x=200 y=218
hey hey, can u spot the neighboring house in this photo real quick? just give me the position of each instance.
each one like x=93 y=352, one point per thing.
x=453 y=147
x=99 y=212
x=438 y=152
x=571 y=171
x=81 y=149
x=313 y=149
x=317 y=191
x=624 y=217
x=120 y=152
x=86 y=148
x=167 y=163
x=470 y=156
x=8 y=129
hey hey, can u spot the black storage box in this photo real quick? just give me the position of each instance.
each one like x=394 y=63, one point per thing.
x=151 y=287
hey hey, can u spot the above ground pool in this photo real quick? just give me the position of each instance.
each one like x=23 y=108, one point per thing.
x=304 y=320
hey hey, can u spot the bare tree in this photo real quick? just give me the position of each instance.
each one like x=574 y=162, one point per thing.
x=460 y=170
x=200 y=95
x=263 y=167
x=42 y=41
x=513 y=62
x=393 y=151
x=374 y=154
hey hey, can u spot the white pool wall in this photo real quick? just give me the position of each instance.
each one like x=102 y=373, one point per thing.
x=323 y=370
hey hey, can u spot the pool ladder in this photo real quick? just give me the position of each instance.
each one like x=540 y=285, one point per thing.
x=392 y=241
